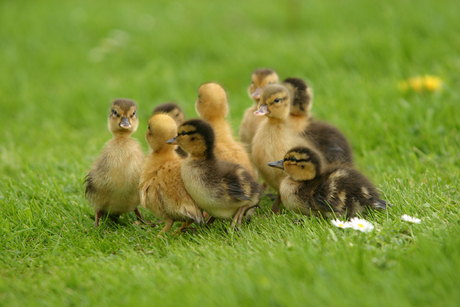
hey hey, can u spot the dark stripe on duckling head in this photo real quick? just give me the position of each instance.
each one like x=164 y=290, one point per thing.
x=305 y=154
x=302 y=95
x=263 y=72
x=201 y=127
x=298 y=83
x=124 y=104
x=272 y=92
x=166 y=108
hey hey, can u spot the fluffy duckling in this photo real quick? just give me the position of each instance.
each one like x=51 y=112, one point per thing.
x=249 y=124
x=223 y=189
x=314 y=187
x=111 y=185
x=161 y=188
x=274 y=136
x=327 y=138
x=301 y=103
x=176 y=113
x=171 y=109
x=212 y=106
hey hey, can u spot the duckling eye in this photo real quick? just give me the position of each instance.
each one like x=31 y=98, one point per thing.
x=148 y=127
x=115 y=112
x=134 y=114
x=292 y=159
x=276 y=100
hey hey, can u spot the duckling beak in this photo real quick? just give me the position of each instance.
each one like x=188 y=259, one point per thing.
x=262 y=110
x=277 y=164
x=172 y=141
x=256 y=94
x=125 y=123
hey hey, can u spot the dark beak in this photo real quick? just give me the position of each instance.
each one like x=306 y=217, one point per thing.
x=277 y=164
x=172 y=141
x=125 y=123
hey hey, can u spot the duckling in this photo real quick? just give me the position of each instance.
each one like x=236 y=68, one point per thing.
x=171 y=109
x=274 y=136
x=212 y=106
x=301 y=103
x=111 y=184
x=314 y=187
x=249 y=124
x=327 y=138
x=223 y=189
x=176 y=113
x=161 y=188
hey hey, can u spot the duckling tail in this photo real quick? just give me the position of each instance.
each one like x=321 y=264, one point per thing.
x=382 y=205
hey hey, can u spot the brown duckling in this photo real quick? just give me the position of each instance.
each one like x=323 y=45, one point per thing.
x=274 y=136
x=327 y=138
x=212 y=106
x=176 y=113
x=249 y=124
x=171 y=109
x=313 y=187
x=223 y=189
x=111 y=185
x=161 y=188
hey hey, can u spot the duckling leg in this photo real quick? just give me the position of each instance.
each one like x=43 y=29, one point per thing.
x=275 y=207
x=238 y=213
x=98 y=215
x=185 y=226
x=141 y=218
x=168 y=225
x=242 y=213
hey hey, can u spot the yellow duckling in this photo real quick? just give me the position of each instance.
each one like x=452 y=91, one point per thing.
x=111 y=185
x=171 y=109
x=161 y=188
x=326 y=138
x=223 y=189
x=249 y=124
x=274 y=136
x=212 y=106
x=176 y=113
x=324 y=189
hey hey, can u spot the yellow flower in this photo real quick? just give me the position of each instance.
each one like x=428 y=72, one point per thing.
x=420 y=84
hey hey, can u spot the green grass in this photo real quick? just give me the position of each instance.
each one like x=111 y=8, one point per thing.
x=63 y=62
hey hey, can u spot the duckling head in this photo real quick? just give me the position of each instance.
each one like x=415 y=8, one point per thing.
x=302 y=96
x=171 y=109
x=212 y=101
x=300 y=163
x=161 y=128
x=274 y=102
x=196 y=137
x=123 y=117
x=260 y=78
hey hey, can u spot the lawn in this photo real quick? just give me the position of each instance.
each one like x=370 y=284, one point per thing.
x=63 y=62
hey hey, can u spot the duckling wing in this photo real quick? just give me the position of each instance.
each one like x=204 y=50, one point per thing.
x=329 y=204
x=193 y=213
x=232 y=177
x=90 y=188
